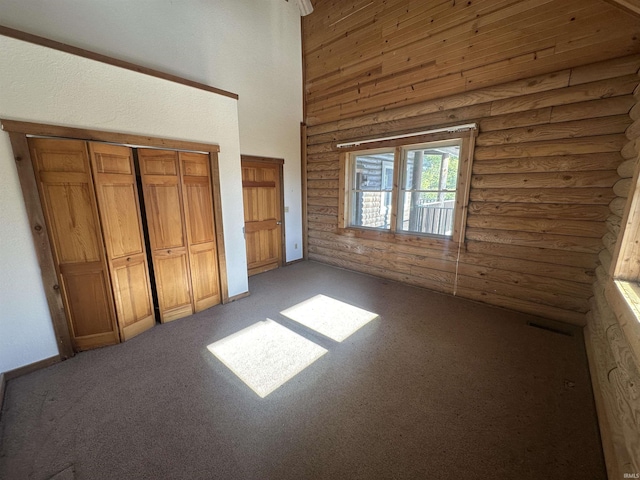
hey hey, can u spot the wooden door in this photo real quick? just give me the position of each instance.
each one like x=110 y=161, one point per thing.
x=117 y=194
x=201 y=235
x=162 y=192
x=263 y=206
x=68 y=199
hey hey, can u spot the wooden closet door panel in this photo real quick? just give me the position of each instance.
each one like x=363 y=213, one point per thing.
x=162 y=191
x=164 y=212
x=66 y=191
x=204 y=275
x=198 y=205
x=69 y=205
x=134 y=303
x=201 y=235
x=173 y=284
x=119 y=211
x=117 y=195
x=84 y=286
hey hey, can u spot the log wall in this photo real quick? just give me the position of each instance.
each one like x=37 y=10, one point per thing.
x=367 y=56
x=612 y=335
x=544 y=171
x=551 y=84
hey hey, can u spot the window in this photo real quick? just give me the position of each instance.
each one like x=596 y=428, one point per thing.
x=372 y=177
x=430 y=199
x=625 y=263
x=428 y=188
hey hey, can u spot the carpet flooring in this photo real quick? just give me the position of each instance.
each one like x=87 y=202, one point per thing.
x=436 y=387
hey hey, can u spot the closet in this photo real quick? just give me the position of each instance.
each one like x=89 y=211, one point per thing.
x=97 y=221
x=178 y=199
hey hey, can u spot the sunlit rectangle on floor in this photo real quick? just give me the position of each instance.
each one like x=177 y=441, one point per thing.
x=266 y=355
x=330 y=317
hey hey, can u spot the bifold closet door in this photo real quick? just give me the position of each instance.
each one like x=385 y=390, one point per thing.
x=162 y=190
x=201 y=235
x=119 y=209
x=68 y=199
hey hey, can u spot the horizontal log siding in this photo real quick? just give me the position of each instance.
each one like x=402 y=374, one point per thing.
x=612 y=337
x=545 y=166
x=364 y=57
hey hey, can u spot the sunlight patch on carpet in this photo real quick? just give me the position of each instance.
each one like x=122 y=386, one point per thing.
x=329 y=317
x=266 y=355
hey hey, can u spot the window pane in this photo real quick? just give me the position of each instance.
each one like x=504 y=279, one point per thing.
x=372 y=209
x=422 y=171
x=371 y=193
x=433 y=169
x=374 y=172
x=425 y=214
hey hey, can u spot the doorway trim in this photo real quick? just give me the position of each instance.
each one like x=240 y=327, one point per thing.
x=19 y=131
x=279 y=162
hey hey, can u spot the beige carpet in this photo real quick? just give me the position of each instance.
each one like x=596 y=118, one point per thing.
x=435 y=388
x=330 y=317
x=266 y=355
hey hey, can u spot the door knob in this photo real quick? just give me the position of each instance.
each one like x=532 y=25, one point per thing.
x=278 y=223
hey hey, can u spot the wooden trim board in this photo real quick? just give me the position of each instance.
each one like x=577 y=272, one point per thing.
x=42 y=243
x=240 y=296
x=25 y=369
x=39 y=129
x=2 y=386
x=80 y=52
x=253 y=158
x=303 y=191
x=293 y=262
x=31 y=367
x=217 y=220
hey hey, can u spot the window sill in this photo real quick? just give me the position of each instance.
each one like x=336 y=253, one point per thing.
x=624 y=300
x=630 y=291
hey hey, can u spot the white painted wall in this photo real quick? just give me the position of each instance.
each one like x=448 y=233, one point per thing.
x=249 y=47
x=48 y=86
x=26 y=332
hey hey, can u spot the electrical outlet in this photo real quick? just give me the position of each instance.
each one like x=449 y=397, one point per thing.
x=286 y=209
x=295 y=246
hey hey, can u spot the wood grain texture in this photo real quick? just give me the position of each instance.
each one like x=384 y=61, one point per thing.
x=197 y=198
x=121 y=220
x=554 y=88
x=544 y=174
x=162 y=188
x=263 y=213
x=42 y=243
x=394 y=54
x=63 y=172
x=217 y=219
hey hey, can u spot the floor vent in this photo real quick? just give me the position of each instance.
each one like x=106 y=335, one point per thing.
x=550 y=329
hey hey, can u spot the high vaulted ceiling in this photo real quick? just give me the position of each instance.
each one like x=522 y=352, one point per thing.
x=364 y=56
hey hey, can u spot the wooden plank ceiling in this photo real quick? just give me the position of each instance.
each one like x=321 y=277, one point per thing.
x=365 y=56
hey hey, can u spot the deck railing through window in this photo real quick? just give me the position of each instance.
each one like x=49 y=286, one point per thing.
x=435 y=218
